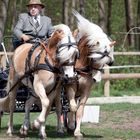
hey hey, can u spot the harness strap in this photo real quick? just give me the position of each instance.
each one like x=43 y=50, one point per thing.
x=103 y=54
x=36 y=62
x=46 y=49
x=87 y=70
x=28 y=59
x=55 y=69
x=48 y=68
x=29 y=73
x=44 y=46
x=67 y=44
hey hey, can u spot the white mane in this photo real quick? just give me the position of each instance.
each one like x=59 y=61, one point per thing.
x=63 y=27
x=93 y=31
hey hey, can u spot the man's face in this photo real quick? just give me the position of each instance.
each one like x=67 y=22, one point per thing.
x=34 y=9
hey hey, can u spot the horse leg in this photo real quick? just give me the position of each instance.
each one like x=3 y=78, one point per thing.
x=60 y=123
x=71 y=122
x=71 y=97
x=79 y=115
x=25 y=126
x=39 y=123
x=56 y=99
x=12 y=96
x=12 y=103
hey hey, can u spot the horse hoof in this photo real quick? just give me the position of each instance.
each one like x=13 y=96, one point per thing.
x=70 y=131
x=10 y=134
x=60 y=134
x=35 y=125
x=80 y=137
x=23 y=130
x=42 y=137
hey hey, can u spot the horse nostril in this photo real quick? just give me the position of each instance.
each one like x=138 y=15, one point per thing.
x=66 y=78
x=111 y=63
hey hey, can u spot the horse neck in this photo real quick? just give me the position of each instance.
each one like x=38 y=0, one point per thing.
x=54 y=39
x=83 y=61
x=51 y=50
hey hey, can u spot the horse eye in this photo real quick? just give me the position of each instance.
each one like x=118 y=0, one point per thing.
x=60 y=31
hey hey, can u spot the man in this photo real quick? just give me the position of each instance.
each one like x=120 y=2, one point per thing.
x=32 y=24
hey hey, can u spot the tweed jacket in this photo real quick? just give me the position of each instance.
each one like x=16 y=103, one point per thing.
x=27 y=26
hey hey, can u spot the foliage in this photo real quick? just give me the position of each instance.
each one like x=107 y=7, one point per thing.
x=128 y=84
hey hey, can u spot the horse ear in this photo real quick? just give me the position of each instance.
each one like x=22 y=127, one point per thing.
x=112 y=43
x=75 y=33
x=60 y=33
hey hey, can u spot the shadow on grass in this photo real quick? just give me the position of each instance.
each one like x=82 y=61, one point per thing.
x=50 y=130
x=93 y=136
x=33 y=134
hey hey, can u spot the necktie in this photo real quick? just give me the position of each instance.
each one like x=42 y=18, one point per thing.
x=36 y=22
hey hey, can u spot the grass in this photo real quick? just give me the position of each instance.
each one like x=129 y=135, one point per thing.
x=98 y=91
x=117 y=122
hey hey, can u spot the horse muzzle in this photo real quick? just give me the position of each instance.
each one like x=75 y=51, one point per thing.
x=70 y=80
x=110 y=63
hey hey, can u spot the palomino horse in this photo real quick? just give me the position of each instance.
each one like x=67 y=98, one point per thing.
x=96 y=50
x=41 y=68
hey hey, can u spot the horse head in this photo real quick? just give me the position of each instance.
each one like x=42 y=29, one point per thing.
x=93 y=43
x=64 y=50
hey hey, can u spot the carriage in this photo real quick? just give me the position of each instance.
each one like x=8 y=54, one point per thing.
x=23 y=92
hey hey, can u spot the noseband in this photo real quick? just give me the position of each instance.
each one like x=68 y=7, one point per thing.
x=103 y=54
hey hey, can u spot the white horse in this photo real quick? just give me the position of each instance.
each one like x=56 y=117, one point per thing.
x=41 y=68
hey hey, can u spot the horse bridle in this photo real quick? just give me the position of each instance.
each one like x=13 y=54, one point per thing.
x=103 y=54
x=69 y=44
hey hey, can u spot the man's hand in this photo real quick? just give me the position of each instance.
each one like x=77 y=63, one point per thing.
x=25 y=37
